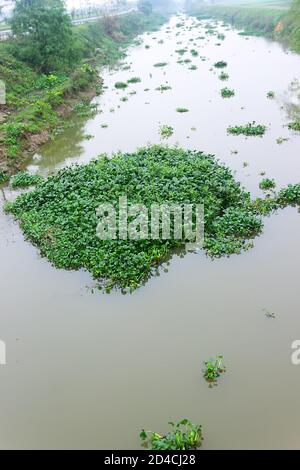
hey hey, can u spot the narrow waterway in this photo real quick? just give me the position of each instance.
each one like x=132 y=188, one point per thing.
x=89 y=370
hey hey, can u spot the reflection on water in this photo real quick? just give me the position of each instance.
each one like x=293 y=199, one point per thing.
x=292 y=101
x=66 y=145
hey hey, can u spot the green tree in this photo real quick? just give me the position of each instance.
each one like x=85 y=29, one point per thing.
x=43 y=32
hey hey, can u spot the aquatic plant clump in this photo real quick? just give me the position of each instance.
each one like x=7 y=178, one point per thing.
x=213 y=368
x=25 y=179
x=166 y=131
x=182 y=110
x=223 y=76
x=227 y=93
x=3 y=177
x=121 y=85
x=59 y=215
x=183 y=436
x=250 y=129
x=267 y=183
x=160 y=64
x=134 y=80
x=220 y=65
x=294 y=126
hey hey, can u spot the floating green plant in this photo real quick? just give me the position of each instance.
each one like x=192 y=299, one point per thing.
x=270 y=94
x=267 y=183
x=121 y=85
x=213 y=368
x=223 y=76
x=183 y=436
x=294 y=126
x=160 y=64
x=134 y=80
x=23 y=179
x=221 y=64
x=166 y=131
x=3 y=177
x=182 y=110
x=250 y=129
x=163 y=88
x=227 y=93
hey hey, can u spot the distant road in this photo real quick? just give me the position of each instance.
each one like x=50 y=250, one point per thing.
x=5 y=33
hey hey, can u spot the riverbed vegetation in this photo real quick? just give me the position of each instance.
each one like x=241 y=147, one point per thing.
x=183 y=436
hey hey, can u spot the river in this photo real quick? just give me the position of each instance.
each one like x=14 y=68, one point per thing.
x=89 y=370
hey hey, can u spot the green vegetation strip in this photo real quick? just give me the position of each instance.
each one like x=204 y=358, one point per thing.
x=59 y=215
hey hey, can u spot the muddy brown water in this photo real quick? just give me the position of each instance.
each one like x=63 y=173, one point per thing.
x=89 y=370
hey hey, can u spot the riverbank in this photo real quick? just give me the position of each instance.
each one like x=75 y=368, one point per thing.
x=37 y=105
x=276 y=22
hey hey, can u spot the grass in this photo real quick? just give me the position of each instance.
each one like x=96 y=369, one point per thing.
x=183 y=436
x=250 y=129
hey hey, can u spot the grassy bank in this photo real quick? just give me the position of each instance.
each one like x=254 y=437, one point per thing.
x=37 y=104
x=272 y=20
